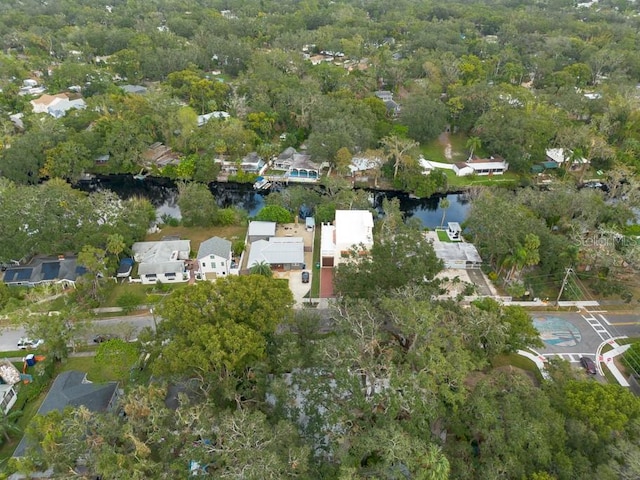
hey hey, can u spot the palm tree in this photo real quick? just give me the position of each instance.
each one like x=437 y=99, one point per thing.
x=8 y=424
x=473 y=144
x=396 y=149
x=443 y=205
x=261 y=268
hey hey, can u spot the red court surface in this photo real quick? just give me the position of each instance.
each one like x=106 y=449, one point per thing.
x=326 y=282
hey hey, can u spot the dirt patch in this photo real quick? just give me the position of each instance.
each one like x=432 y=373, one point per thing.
x=198 y=235
x=446 y=144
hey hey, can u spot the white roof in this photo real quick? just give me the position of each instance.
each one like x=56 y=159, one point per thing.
x=327 y=240
x=262 y=229
x=558 y=155
x=161 y=252
x=488 y=165
x=360 y=164
x=277 y=250
x=353 y=227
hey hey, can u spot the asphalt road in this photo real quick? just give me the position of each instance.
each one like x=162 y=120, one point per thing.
x=571 y=335
x=9 y=336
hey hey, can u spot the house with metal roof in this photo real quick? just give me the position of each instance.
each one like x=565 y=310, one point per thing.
x=281 y=253
x=260 y=231
x=162 y=261
x=42 y=270
x=214 y=258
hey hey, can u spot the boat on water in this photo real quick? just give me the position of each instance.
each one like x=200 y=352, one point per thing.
x=261 y=183
x=141 y=175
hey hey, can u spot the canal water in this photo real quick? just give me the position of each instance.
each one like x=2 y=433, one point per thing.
x=163 y=194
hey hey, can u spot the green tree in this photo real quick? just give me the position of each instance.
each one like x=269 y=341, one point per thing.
x=261 y=268
x=367 y=274
x=221 y=327
x=197 y=205
x=68 y=160
x=425 y=117
x=473 y=144
x=8 y=425
x=274 y=213
x=115 y=358
x=443 y=204
x=396 y=149
x=93 y=259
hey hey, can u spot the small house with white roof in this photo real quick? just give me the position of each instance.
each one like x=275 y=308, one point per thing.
x=351 y=229
x=214 y=258
x=162 y=261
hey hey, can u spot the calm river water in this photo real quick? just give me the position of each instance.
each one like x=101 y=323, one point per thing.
x=163 y=195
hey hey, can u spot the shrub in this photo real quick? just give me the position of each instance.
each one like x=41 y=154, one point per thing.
x=128 y=301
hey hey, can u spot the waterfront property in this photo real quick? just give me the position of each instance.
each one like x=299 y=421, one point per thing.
x=215 y=258
x=456 y=255
x=280 y=253
x=162 y=261
x=351 y=229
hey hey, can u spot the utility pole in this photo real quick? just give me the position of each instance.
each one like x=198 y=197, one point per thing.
x=564 y=284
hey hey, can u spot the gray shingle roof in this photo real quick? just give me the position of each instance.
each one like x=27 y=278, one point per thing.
x=71 y=389
x=215 y=246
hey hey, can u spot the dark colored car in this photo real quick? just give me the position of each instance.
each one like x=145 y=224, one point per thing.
x=105 y=337
x=305 y=277
x=589 y=365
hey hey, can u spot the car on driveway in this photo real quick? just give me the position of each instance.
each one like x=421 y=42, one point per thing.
x=588 y=365
x=27 y=343
x=104 y=337
x=305 y=277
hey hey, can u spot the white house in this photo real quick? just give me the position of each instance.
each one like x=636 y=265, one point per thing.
x=462 y=169
x=203 y=119
x=563 y=158
x=488 y=166
x=162 y=261
x=351 y=229
x=260 y=231
x=281 y=253
x=56 y=105
x=214 y=258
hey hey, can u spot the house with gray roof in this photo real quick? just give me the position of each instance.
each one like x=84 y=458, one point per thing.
x=43 y=270
x=162 y=261
x=214 y=258
x=260 y=231
x=72 y=389
x=281 y=253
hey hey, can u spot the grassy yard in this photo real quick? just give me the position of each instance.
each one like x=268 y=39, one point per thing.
x=315 y=278
x=198 y=235
x=508 y=179
x=442 y=236
x=435 y=150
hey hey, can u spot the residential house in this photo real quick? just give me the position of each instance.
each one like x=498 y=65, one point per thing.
x=361 y=165
x=260 y=231
x=203 y=119
x=159 y=155
x=462 y=169
x=351 y=229
x=42 y=270
x=162 y=261
x=564 y=158
x=281 y=253
x=454 y=231
x=387 y=98
x=31 y=87
x=214 y=258
x=298 y=166
x=57 y=105
x=72 y=389
x=251 y=163
x=134 y=89
x=480 y=166
x=493 y=165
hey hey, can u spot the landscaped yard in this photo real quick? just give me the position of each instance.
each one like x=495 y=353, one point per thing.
x=442 y=236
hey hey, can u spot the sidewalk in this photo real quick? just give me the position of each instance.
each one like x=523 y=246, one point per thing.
x=607 y=359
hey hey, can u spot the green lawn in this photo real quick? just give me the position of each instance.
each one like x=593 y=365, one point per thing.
x=509 y=179
x=435 y=150
x=315 y=278
x=442 y=236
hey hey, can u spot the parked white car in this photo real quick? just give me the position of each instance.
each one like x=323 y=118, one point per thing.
x=26 y=343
